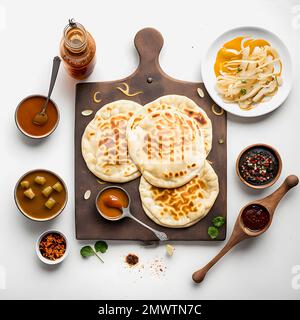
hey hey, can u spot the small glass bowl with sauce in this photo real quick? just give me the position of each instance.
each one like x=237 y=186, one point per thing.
x=28 y=108
x=111 y=201
x=259 y=166
x=255 y=218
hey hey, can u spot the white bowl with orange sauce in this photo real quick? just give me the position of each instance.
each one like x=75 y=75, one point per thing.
x=210 y=80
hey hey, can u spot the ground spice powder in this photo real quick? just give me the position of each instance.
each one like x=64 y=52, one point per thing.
x=132 y=259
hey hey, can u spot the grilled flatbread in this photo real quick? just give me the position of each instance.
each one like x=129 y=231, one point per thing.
x=167 y=146
x=104 y=143
x=184 y=206
x=184 y=105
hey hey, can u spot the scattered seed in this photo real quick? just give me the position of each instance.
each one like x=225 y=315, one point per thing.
x=210 y=162
x=101 y=181
x=96 y=100
x=221 y=141
x=87 y=112
x=200 y=92
x=87 y=194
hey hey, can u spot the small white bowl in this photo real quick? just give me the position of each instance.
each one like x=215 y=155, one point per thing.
x=41 y=257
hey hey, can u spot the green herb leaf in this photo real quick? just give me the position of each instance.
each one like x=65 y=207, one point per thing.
x=218 y=221
x=243 y=91
x=239 y=69
x=101 y=246
x=244 y=81
x=213 y=232
x=87 y=251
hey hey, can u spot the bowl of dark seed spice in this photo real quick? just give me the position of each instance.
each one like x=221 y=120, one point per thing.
x=259 y=166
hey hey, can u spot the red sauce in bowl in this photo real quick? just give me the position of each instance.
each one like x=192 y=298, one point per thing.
x=255 y=217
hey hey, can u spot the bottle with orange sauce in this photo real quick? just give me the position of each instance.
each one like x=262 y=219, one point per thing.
x=78 y=50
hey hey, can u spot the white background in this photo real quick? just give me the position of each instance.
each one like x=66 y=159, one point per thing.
x=30 y=33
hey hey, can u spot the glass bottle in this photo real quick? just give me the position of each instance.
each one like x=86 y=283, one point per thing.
x=78 y=50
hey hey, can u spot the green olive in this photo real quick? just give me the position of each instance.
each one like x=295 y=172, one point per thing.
x=29 y=194
x=47 y=191
x=58 y=187
x=50 y=203
x=25 y=184
x=40 y=180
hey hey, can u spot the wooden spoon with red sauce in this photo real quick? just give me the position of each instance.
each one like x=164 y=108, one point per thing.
x=254 y=219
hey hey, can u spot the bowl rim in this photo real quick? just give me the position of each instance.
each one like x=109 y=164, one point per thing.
x=111 y=187
x=28 y=134
x=23 y=211
x=38 y=252
x=265 y=146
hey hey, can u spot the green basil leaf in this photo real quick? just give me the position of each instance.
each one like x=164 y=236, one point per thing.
x=213 y=232
x=87 y=251
x=218 y=221
x=101 y=246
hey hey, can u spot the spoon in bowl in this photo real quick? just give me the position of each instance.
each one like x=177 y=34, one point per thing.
x=241 y=231
x=114 y=202
x=41 y=118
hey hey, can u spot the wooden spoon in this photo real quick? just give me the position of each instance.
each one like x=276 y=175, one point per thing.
x=41 y=118
x=240 y=232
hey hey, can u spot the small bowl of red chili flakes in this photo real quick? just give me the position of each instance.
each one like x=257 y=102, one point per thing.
x=259 y=166
x=52 y=247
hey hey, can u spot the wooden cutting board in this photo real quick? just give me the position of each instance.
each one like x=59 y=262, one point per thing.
x=153 y=82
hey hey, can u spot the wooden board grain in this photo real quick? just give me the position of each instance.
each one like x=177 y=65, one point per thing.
x=89 y=224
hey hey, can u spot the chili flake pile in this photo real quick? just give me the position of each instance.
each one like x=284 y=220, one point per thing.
x=132 y=259
x=53 y=246
x=258 y=166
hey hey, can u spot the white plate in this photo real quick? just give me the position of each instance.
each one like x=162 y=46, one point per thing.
x=209 y=78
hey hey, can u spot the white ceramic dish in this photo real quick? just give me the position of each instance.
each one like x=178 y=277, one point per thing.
x=41 y=257
x=209 y=78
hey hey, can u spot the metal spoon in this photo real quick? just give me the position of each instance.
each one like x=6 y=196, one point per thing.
x=126 y=213
x=41 y=118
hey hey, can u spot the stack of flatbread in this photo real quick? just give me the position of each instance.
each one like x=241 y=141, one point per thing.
x=167 y=142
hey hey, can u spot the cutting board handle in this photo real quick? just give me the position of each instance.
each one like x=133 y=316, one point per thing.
x=149 y=43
